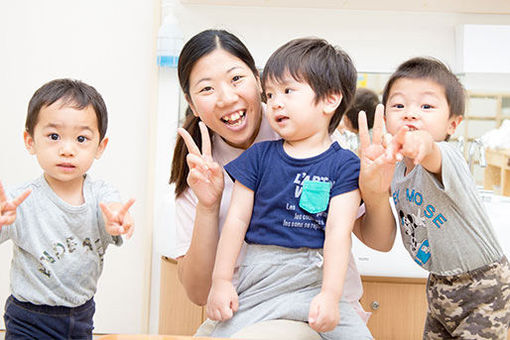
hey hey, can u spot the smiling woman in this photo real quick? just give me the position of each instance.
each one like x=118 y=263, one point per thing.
x=221 y=84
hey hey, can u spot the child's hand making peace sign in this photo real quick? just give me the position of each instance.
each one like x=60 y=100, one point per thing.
x=117 y=219
x=8 y=208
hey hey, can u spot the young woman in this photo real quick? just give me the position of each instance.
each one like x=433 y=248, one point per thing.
x=222 y=87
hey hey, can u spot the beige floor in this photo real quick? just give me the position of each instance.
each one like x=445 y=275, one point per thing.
x=2 y=335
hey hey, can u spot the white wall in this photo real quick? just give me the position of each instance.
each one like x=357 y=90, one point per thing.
x=376 y=40
x=110 y=45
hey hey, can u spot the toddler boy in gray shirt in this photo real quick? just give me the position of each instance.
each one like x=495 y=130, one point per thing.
x=443 y=222
x=62 y=222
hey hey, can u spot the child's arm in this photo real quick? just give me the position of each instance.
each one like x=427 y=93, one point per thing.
x=324 y=314
x=8 y=208
x=223 y=301
x=376 y=228
x=117 y=219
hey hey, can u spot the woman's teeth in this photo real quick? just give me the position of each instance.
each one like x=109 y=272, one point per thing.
x=234 y=119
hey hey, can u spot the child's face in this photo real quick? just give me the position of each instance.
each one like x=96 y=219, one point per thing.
x=292 y=110
x=65 y=142
x=420 y=104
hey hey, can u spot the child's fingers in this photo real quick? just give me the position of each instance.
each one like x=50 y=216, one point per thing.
x=6 y=220
x=420 y=154
x=3 y=197
x=313 y=312
x=130 y=232
x=226 y=313
x=128 y=225
x=213 y=314
x=106 y=211
x=18 y=200
x=234 y=304
x=394 y=146
x=124 y=209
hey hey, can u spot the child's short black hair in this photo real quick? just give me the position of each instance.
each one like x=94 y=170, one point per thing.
x=326 y=68
x=73 y=93
x=364 y=100
x=431 y=69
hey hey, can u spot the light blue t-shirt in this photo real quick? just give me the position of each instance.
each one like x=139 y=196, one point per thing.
x=291 y=196
x=58 y=248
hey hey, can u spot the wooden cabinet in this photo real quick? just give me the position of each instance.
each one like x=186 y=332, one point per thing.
x=177 y=314
x=398 y=306
x=497 y=172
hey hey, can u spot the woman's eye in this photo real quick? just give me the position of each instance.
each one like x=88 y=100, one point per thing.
x=53 y=136
x=398 y=106
x=81 y=139
x=236 y=78
x=426 y=106
x=287 y=91
x=206 y=89
x=269 y=95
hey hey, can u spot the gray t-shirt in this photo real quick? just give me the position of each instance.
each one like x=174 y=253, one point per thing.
x=444 y=226
x=58 y=248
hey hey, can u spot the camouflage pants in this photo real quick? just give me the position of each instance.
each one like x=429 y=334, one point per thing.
x=474 y=305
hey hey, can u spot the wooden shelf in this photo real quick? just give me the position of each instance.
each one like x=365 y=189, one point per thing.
x=497 y=172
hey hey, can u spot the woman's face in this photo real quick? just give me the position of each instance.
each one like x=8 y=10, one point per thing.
x=225 y=94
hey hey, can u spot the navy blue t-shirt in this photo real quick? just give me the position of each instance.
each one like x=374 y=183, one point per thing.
x=277 y=181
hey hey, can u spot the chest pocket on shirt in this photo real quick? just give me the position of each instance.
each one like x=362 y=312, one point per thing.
x=315 y=196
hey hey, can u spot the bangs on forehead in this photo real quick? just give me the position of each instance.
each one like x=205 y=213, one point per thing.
x=280 y=77
x=70 y=98
x=278 y=68
x=76 y=102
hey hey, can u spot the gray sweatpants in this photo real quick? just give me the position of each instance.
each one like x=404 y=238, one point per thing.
x=280 y=283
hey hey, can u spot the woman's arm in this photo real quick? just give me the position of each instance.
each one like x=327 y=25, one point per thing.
x=376 y=228
x=195 y=268
x=205 y=179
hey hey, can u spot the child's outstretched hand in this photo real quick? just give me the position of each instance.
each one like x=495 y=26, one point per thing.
x=415 y=145
x=324 y=314
x=117 y=219
x=223 y=301
x=8 y=208
x=205 y=176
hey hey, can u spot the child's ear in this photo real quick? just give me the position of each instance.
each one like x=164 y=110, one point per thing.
x=453 y=123
x=331 y=102
x=29 y=142
x=101 y=147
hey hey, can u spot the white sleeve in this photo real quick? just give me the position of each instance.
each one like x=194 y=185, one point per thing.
x=185 y=208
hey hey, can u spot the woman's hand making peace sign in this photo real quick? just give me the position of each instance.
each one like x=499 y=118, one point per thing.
x=205 y=176
x=377 y=156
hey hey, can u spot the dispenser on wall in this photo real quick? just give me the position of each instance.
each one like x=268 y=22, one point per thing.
x=170 y=42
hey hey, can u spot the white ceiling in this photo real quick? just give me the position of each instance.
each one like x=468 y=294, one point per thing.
x=457 y=6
